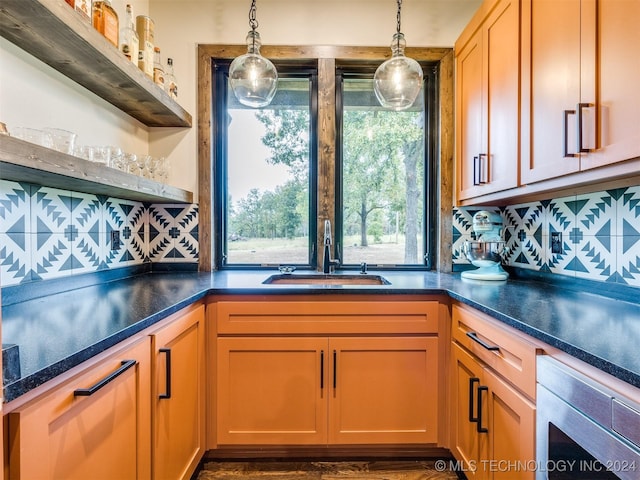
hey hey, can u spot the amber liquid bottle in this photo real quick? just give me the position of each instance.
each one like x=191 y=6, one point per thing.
x=105 y=20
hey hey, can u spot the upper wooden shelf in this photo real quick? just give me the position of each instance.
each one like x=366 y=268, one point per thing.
x=22 y=161
x=53 y=32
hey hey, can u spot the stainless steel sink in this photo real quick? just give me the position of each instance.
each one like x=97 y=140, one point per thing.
x=322 y=279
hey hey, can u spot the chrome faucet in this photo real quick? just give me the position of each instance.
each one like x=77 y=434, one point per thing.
x=327 y=263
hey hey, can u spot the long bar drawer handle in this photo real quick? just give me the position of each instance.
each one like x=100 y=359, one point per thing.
x=474 y=336
x=86 y=392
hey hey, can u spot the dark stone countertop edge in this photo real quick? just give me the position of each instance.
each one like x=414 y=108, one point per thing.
x=23 y=385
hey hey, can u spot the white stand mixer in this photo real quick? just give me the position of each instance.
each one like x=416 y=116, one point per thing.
x=486 y=252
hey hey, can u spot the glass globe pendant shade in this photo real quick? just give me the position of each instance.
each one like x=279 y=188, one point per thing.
x=397 y=82
x=253 y=78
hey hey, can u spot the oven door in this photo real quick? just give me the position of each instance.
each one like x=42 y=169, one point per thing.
x=574 y=436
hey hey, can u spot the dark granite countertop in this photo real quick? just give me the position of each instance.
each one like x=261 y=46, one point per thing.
x=60 y=330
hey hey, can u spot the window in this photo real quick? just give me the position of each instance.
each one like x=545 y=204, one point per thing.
x=266 y=163
x=383 y=181
x=267 y=159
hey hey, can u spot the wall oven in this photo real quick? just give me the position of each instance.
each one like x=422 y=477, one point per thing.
x=583 y=429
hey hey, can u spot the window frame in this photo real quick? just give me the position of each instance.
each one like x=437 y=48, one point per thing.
x=220 y=74
x=431 y=149
x=325 y=57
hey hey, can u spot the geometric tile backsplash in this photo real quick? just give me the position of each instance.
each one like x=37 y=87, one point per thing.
x=50 y=233
x=600 y=235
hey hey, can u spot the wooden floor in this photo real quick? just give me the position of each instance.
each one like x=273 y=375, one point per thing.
x=316 y=470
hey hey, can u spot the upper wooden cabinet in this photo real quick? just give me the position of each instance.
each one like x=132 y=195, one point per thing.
x=53 y=32
x=487 y=94
x=580 y=77
x=547 y=99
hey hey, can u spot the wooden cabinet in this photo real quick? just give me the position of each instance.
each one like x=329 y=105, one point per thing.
x=487 y=98
x=580 y=74
x=178 y=400
x=383 y=390
x=95 y=424
x=285 y=385
x=493 y=413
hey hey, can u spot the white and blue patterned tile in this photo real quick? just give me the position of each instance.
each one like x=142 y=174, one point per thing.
x=15 y=258
x=129 y=218
x=561 y=217
x=628 y=239
x=87 y=214
x=51 y=210
x=15 y=207
x=15 y=242
x=628 y=267
x=595 y=231
x=173 y=233
x=628 y=210
x=524 y=235
x=51 y=256
x=86 y=252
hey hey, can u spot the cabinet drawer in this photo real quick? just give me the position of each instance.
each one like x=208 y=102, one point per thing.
x=500 y=347
x=328 y=317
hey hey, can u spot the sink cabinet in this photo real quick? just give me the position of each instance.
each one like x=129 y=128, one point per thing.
x=283 y=384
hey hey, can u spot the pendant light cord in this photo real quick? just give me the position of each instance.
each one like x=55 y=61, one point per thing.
x=398 y=24
x=253 y=22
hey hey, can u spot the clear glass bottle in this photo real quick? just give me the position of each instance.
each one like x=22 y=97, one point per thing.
x=129 y=43
x=105 y=20
x=158 y=71
x=170 y=84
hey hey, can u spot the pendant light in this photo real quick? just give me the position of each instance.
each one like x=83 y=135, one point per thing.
x=253 y=78
x=398 y=81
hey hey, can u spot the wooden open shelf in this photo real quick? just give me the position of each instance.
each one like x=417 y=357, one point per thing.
x=53 y=32
x=22 y=161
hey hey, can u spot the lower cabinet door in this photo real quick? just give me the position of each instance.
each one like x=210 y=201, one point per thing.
x=493 y=425
x=95 y=425
x=466 y=442
x=510 y=425
x=272 y=390
x=178 y=396
x=383 y=390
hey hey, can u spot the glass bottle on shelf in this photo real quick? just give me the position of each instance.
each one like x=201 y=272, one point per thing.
x=170 y=85
x=158 y=71
x=105 y=20
x=129 y=44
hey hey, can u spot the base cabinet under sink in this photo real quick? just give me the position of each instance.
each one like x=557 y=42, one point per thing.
x=297 y=391
x=327 y=373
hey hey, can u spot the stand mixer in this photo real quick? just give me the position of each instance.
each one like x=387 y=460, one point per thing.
x=486 y=251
